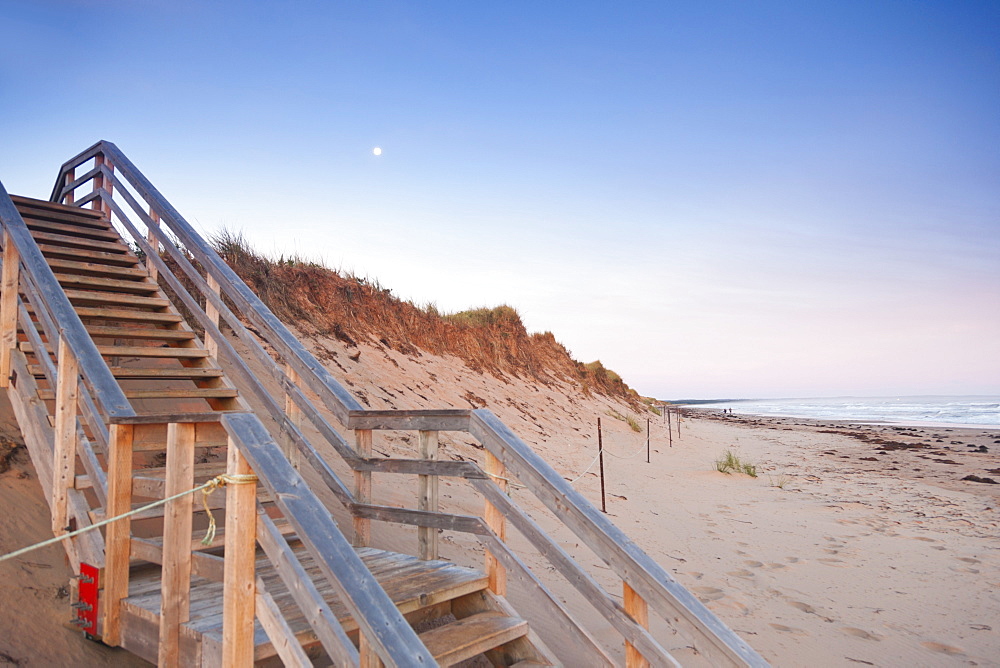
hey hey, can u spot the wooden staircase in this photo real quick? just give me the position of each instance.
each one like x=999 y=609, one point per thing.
x=144 y=373
x=164 y=368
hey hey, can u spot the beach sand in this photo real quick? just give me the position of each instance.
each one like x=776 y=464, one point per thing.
x=855 y=544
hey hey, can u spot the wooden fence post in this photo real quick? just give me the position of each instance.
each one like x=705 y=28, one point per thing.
x=363 y=488
x=239 y=581
x=8 y=306
x=637 y=609
x=110 y=187
x=427 y=496
x=495 y=520
x=600 y=457
x=177 y=520
x=118 y=543
x=64 y=454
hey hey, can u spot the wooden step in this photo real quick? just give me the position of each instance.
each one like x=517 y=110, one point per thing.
x=411 y=584
x=37 y=208
x=104 y=270
x=95 y=297
x=155 y=373
x=71 y=229
x=121 y=259
x=112 y=314
x=471 y=636
x=71 y=241
x=187 y=393
x=95 y=282
x=139 y=351
x=97 y=331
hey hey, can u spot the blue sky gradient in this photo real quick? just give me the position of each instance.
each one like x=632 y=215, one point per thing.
x=714 y=198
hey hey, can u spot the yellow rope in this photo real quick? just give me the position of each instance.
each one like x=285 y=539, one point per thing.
x=208 y=488
x=214 y=484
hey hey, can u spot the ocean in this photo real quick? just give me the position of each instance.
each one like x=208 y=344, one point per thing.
x=970 y=411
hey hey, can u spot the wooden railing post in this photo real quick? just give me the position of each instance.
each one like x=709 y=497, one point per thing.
x=427 y=496
x=177 y=520
x=636 y=608
x=97 y=204
x=154 y=218
x=109 y=185
x=363 y=488
x=239 y=579
x=118 y=541
x=8 y=306
x=495 y=520
x=294 y=414
x=64 y=453
x=68 y=178
x=211 y=345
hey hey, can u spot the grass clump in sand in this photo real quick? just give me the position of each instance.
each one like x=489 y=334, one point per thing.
x=730 y=462
x=631 y=420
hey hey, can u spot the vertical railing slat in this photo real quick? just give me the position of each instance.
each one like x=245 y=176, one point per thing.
x=637 y=609
x=495 y=520
x=239 y=579
x=8 y=306
x=177 y=520
x=427 y=497
x=64 y=452
x=118 y=540
x=363 y=488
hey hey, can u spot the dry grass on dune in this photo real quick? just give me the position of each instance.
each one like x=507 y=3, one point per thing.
x=353 y=309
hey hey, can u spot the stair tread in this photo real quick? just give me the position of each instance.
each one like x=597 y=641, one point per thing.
x=138 y=351
x=126 y=259
x=472 y=635
x=87 y=312
x=187 y=393
x=428 y=583
x=105 y=270
x=97 y=331
x=78 y=242
x=100 y=297
x=78 y=280
x=68 y=228
x=31 y=202
x=152 y=373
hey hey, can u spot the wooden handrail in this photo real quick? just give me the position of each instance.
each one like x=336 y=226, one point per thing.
x=612 y=545
x=104 y=388
x=381 y=622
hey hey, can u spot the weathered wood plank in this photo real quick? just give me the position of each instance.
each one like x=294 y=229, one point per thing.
x=278 y=632
x=79 y=281
x=300 y=585
x=427 y=496
x=410 y=420
x=118 y=532
x=140 y=351
x=637 y=609
x=8 y=305
x=96 y=297
x=362 y=488
x=420 y=518
x=238 y=603
x=176 y=579
x=80 y=254
x=70 y=241
x=471 y=636
x=495 y=520
x=74 y=267
x=64 y=453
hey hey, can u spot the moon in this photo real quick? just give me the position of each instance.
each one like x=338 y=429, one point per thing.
x=377 y=151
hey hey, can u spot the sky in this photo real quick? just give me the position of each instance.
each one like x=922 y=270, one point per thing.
x=715 y=199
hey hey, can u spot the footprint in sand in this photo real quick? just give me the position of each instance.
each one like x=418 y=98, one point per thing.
x=969 y=560
x=943 y=649
x=860 y=633
x=794 y=560
x=742 y=573
x=775 y=567
x=837 y=563
x=753 y=564
x=808 y=609
x=788 y=629
x=695 y=574
x=708 y=593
